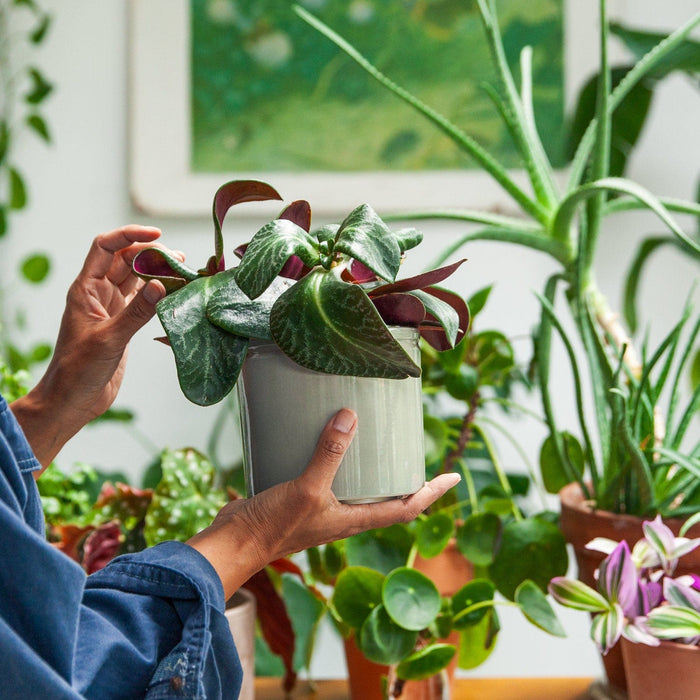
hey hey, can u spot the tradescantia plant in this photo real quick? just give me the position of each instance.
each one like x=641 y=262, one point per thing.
x=637 y=596
x=324 y=296
x=632 y=454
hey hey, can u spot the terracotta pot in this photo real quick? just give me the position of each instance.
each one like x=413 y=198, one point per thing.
x=581 y=523
x=241 y=613
x=668 y=671
x=449 y=571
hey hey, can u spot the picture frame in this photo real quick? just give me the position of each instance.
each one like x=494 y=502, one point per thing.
x=162 y=182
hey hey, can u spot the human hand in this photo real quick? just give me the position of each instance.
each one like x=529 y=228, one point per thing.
x=105 y=306
x=249 y=533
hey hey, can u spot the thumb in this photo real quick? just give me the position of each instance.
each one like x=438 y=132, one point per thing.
x=139 y=310
x=330 y=450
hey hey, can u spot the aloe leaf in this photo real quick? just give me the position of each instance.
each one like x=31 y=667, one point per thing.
x=680 y=206
x=633 y=276
x=462 y=140
x=156 y=263
x=524 y=133
x=690 y=464
x=229 y=194
x=269 y=250
x=536 y=608
x=642 y=68
x=208 y=358
x=229 y=308
x=365 y=237
x=328 y=325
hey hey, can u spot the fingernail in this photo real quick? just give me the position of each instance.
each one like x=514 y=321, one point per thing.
x=344 y=420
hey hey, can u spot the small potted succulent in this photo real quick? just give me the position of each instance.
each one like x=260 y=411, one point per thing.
x=639 y=601
x=313 y=319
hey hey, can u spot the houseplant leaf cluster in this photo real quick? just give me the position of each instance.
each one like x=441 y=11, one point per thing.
x=325 y=297
x=620 y=460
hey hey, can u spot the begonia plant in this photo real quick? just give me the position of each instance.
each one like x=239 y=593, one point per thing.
x=637 y=595
x=325 y=296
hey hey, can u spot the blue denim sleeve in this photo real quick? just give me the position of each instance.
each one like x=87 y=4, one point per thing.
x=149 y=625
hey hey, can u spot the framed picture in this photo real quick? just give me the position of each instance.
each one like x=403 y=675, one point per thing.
x=245 y=89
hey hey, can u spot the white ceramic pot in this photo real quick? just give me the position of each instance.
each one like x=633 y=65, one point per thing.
x=284 y=408
x=241 y=614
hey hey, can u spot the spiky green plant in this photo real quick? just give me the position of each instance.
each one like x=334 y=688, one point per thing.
x=635 y=459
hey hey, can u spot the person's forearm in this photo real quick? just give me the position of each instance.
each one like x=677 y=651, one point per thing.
x=44 y=426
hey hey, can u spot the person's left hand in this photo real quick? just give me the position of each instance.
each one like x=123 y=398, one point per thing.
x=105 y=306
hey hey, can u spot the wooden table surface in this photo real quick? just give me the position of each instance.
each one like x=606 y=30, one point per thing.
x=466 y=689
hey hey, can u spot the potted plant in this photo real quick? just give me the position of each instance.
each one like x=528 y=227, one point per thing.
x=640 y=599
x=313 y=318
x=631 y=456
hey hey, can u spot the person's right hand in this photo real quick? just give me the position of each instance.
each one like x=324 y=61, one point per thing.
x=249 y=533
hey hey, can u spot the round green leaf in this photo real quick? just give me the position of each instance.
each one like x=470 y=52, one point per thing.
x=381 y=640
x=332 y=559
x=530 y=549
x=478 y=538
x=463 y=383
x=478 y=641
x=553 y=473
x=433 y=534
x=357 y=592
x=383 y=549
x=476 y=591
x=426 y=662
x=537 y=609
x=411 y=598
x=36 y=267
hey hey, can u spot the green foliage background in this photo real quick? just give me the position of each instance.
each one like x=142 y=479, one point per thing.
x=269 y=94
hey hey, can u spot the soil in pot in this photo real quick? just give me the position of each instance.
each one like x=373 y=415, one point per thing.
x=284 y=407
x=580 y=524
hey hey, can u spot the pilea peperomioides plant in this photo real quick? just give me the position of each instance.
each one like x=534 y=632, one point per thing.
x=326 y=297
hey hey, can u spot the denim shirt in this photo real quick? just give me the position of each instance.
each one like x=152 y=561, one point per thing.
x=148 y=625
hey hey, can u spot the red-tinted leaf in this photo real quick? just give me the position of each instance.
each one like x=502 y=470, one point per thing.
x=275 y=625
x=70 y=537
x=163 y=339
x=359 y=273
x=239 y=252
x=299 y=212
x=294 y=268
x=400 y=309
x=421 y=281
x=152 y=263
x=437 y=337
x=101 y=546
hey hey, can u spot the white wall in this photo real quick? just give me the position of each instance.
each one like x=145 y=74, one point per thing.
x=79 y=188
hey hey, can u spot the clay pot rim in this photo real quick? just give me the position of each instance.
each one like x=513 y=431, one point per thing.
x=667 y=643
x=571 y=496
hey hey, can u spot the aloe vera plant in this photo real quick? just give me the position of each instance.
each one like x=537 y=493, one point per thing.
x=633 y=456
x=324 y=296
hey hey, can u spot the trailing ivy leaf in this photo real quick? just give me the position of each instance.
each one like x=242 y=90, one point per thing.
x=426 y=662
x=433 y=533
x=35 y=268
x=479 y=537
x=18 y=190
x=410 y=598
x=536 y=608
x=382 y=641
x=39 y=126
x=208 y=358
x=328 y=325
x=695 y=372
x=40 y=89
x=269 y=250
x=365 y=237
x=530 y=549
x=358 y=590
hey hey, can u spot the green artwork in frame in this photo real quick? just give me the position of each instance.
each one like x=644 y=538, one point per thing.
x=269 y=94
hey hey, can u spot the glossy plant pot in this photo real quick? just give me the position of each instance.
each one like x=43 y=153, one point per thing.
x=668 y=671
x=241 y=614
x=284 y=408
x=581 y=523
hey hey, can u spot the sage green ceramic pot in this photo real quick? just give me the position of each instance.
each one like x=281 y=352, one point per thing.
x=284 y=408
